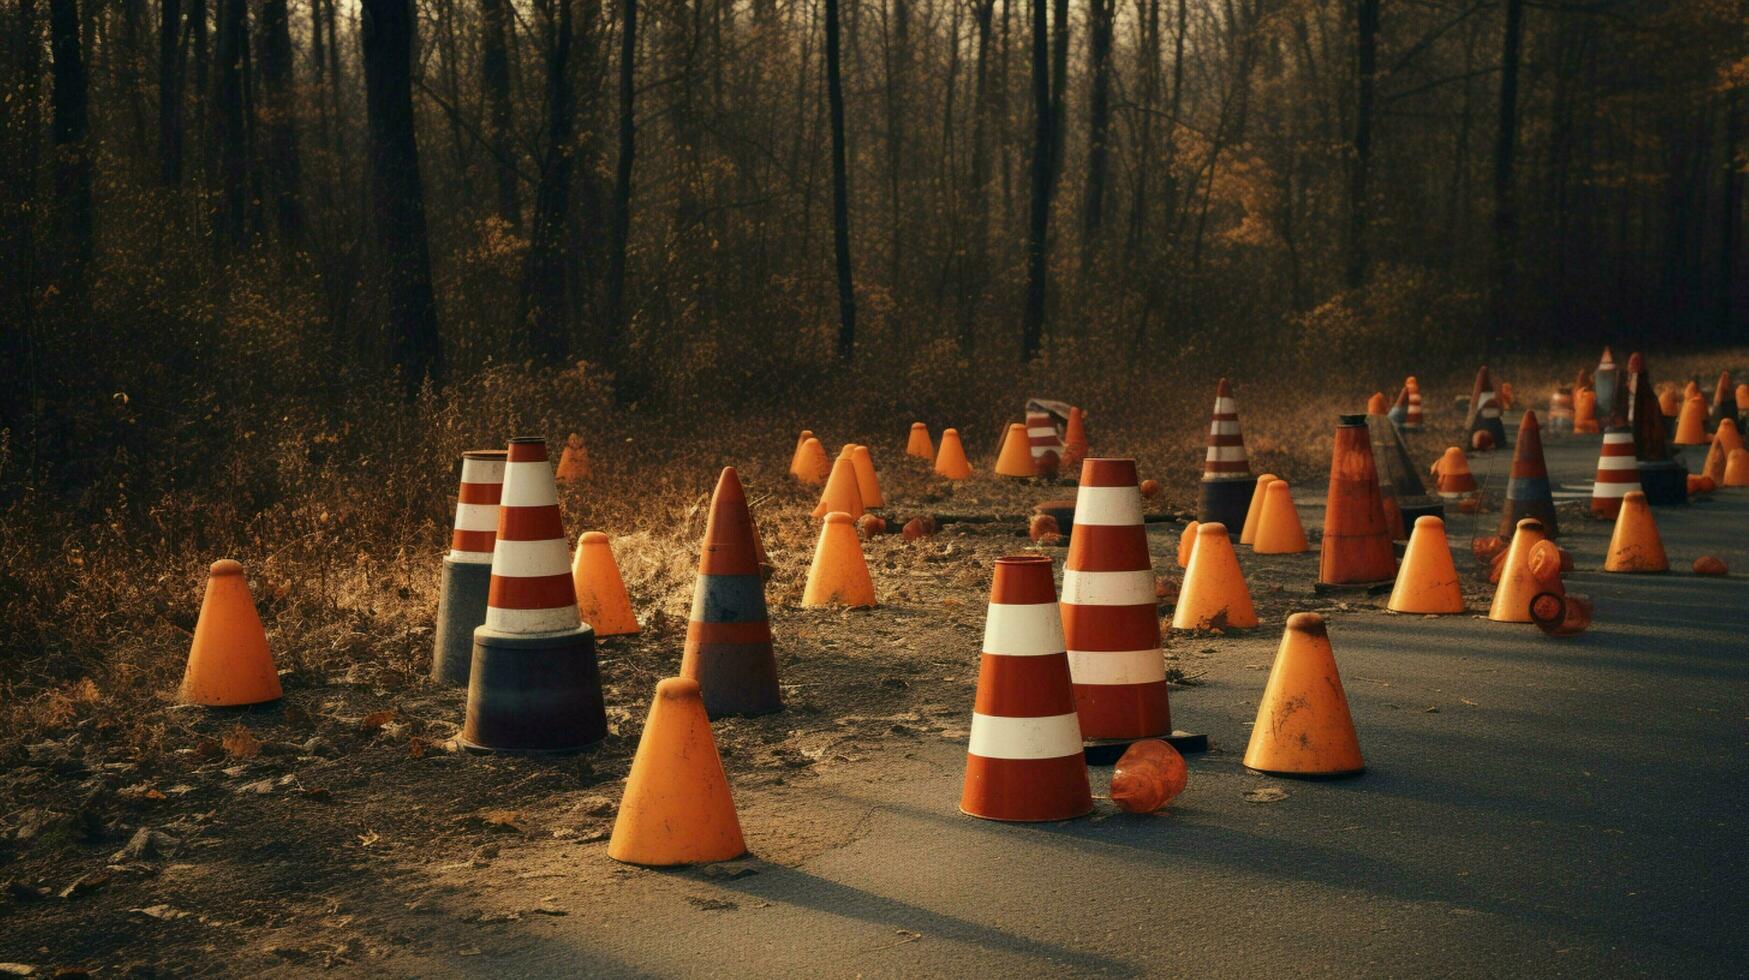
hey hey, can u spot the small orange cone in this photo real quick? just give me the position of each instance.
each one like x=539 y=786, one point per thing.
x=1074 y=441
x=1585 y=411
x=1248 y=534
x=677 y=808
x=796 y=459
x=1356 y=548
x=1452 y=475
x=229 y=664
x=839 y=575
x=1737 y=469
x=1517 y=585
x=1214 y=595
x=1413 y=421
x=843 y=492
x=573 y=462
x=1725 y=441
x=950 y=459
x=1691 y=390
x=1016 y=456
x=601 y=593
x=811 y=466
x=1303 y=726
x=919 y=444
x=1279 y=531
x=1669 y=402
x=1635 y=545
x=1691 y=425
x=1187 y=544
x=1428 y=581
x=866 y=482
x=1378 y=404
x=1724 y=400
x=1508 y=397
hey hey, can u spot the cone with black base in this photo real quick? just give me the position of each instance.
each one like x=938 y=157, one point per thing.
x=1484 y=415
x=1224 y=495
x=1663 y=480
x=1303 y=726
x=467 y=568
x=1528 y=493
x=728 y=633
x=1356 y=551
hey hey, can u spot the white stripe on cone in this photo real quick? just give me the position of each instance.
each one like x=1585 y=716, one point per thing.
x=1109 y=506
x=1050 y=737
x=556 y=620
x=482 y=470
x=1033 y=629
x=1043 y=430
x=1122 y=667
x=1225 y=406
x=528 y=484
x=1132 y=588
x=476 y=517
x=471 y=557
x=1617 y=463
x=526 y=559
x=1225 y=454
x=1610 y=490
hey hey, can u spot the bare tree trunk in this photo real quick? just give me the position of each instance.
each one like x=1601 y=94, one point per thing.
x=621 y=215
x=1365 y=68
x=285 y=171
x=170 y=67
x=543 y=271
x=18 y=194
x=1505 y=145
x=229 y=217
x=74 y=229
x=1038 y=229
x=1059 y=86
x=495 y=83
x=1100 y=16
x=976 y=272
x=840 y=188
x=1731 y=221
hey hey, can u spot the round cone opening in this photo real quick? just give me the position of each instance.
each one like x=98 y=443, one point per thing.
x=1351 y=421
x=678 y=689
x=226 y=566
x=526 y=440
x=487 y=455
x=1024 y=560
x=1548 y=609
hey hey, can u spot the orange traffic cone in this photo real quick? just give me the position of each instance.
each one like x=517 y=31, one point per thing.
x=1691 y=390
x=867 y=484
x=1303 y=727
x=601 y=593
x=1691 y=426
x=1187 y=544
x=1528 y=493
x=811 y=466
x=1413 y=421
x=1724 y=400
x=573 y=461
x=1214 y=595
x=1024 y=760
x=1561 y=411
x=1278 y=527
x=1428 y=581
x=1508 y=397
x=950 y=459
x=843 y=491
x=1725 y=440
x=1452 y=475
x=1635 y=545
x=1074 y=441
x=839 y=576
x=1248 y=534
x=728 y=633
x=1517 y=584
x=1670 y=402
x=229 y=664
x=796 y=459
x=1356 y=549
x=919 y=444
x=1736 y=469
x=1585 y=411
x=1016 y=456
x=1377 y=404
x=1225 y=492
x=677 y=808
x=1485 y=410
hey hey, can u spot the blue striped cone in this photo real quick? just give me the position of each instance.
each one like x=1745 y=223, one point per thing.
x=1527 y=492
x=728 y=634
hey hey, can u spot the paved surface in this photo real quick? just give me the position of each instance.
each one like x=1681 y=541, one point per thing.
x=1531 y=806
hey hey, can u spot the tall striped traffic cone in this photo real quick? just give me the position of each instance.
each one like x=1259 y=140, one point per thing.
x=1725 y=440
x=1248 y=534
x=1635 y=545
x=1225 y=492
x=1214 y=595
x=1042 y=439
x=534 y=685
x=1608 y=382
x=1724 y=400
x=843 y=491
x=467 y=569
x=919 y=445
x=1664 y=481
x=868 y=486
x=1303 y=725
x=1428 y=581
x=229 y=664
x=1518 y=584
x=601 y=593
x=573 y=461
x=1617 y=471
x=1527 y=491
x=1484 y=413
x=1016 y=457
x=1414 y=421
x=1691 y=424
x=811 y=467
x=1110 y=614
x=1279 y=531
x=1024 y=758
x=677 y=808
x=950 y=458
x=1356 y=549
x=1074 y=441
x=728 y=634
x=839 y=574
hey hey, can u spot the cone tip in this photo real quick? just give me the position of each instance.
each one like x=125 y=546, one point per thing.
x=1431 y=522
x=1311 y=624
x=1016 y=425
x=838 y=517
x=592 y=537
x=728 y=485
x=918 y=425
x=226 y=566
x=810 y=440
x=1224 y=389
x=1211 y=528
x=677 y=689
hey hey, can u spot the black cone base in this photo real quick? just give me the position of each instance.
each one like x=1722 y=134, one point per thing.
x=534 y=693
x=1106 y=751
x=1225 y=501
x=1665 y=482
x=461 y=607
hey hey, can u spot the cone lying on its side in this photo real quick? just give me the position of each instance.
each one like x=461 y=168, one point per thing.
x=1691 y=425
x=1356 y=548
x=811 y=467
x=573 y=461
x=950 y=459
x=1528 y=493
x=1214 y=595
x=843 y=492
x=1303 y=726
x=1024 y=758
x=1617 y=472
x=601 y=593
x=919 y=445
x=1724 y=400
x=1635 y=546
x=728 y=633
x=677 y=808
x=839 y=575
x=1187 y=543
x=1736 y=469
x=1016 y=456
x=1249 y=534
x=1452 y=475
x=1225 y=492
x=1279 y=531
x=229 y=663
x=1725 y=441
x=868 y=486
x=1517 y=585
x=1428 y=581
x=467 y=569
x=1485 y=407
x=1413 y=422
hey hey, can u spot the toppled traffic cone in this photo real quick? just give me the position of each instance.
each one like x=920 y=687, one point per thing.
x=1737 y=469
x=1376 y=404
x=1401 y=491
x=839 y=575
x=1399 y=413
x=535 y=685
x=950 y=459
x=1356 y=548
x=1709 y=565
x=1547 y=560
x=1225 y=491
x=1149 y=775
x=1043 y=529
x=1701 y=485
x=1452 y=476
x=1585 y=411
x=870 y=526
x=1187 y=544
x=1608 y=383
x=677 y=808
x=920 y=445
x=1517 y=585
x=1427 y=582
x=1150 y=489
x=1635 y=546
x=1015 y=458
x=1725 y=441
x=1024 y=759
x=1279 y=531
x=1074 y=441
x=229 y=663
x=1724 y=400
x=918 y=528
x=1303 y=727
x=573 y=461
x=1484 y=415
x=601 y=593
x=843 y=492
x=1110 y=618
x=1561 y=615
x=1617 y=472
x=811 y=467
x=728 y=633
x=1691 y=425
x=467 y=569
x=868 y=486
x=1248 y=534
x=1528 y=493
x=1214 y=595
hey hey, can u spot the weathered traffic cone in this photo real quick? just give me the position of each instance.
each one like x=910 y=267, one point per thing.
x=1042 y=440
x=1561 y=414
x=1670 y=406
x=1414 y=421
x=1724 y=400
x=535 y=685
x=1074 y=441
x=1110 y=616
x=839 y=575
x=1561 y=615
x=1427 y=582
x=1376 y=404
x=811 y=467
x=1485 y=407
x=1608 y=383
x=677 y=808
x=573 y=461
x=1016 y=456
x=950 y=459
x=1725 y=441
x=1617 y=472
x=467 y=569
x=843 y=492
x=1024 y=759
x=1585 y=411
x=728 y=633
x=1736 y=469
x=1664 y=480
x=1279 y=531
x=1214 y=595
x=1356 y=549
x=1248 y=534
x=1517 y=585
x=1187 y=544
x=1635 y=546
x=1691 y=426
x=1453 y=477
x=1401 y=491
x=1528 y=493
x=1508 y=397
x=1690 y=390
x=1399 y=413
x=795 y=460
x=868 y=486
x=1225 y=492
x=1303 y=726
x=601 y=593
x=228 y=664
x=920 y=445
x=1743 y=406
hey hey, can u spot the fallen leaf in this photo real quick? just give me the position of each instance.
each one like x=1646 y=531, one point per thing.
x=417 y=747
x=163 y=912
x=240 y=743
x=1266 y=794
x=368 y=838
x=376 y=720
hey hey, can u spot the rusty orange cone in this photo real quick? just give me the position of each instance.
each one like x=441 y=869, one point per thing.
x=1724 y=400
x=1736 y=469
x=1214 y=595
x=950 y=459
x=1377 y=404
x=839 y=575
x=1452 y=475
x=728 y=633
x=843 y=491
x=867 y=484
x=1024 y=759
x=1585 y=411
x=920 y=445
x=1518 y=585
x=1485 y=410
x=1356 y=549
x=1691 y=424
x=601 y=593
x=1635 y=546
x=1016 y=456
x=1303 y=726
x=573 y=461
x=229 y=663
x=1428 y=581
x=1227 y=486
x=811 y=467
x=677 y=808
x=1074 y=441
x=1187 y=544
x=1248 y=534
x=1279 y=531
x=1725 y=441
x=1528 y=493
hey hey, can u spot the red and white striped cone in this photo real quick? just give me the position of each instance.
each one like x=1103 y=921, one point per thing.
x=467 y=569
x=535 y=686
x=1617 y=472
x=1042 y=437
x=1227 y=484
x=1023 y=760
x=1414 y=421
